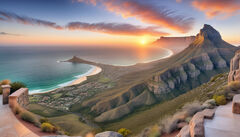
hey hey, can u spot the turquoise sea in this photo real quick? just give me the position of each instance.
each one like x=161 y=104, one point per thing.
x=39 y=67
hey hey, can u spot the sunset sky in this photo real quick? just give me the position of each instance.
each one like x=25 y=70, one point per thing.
x=113 y=22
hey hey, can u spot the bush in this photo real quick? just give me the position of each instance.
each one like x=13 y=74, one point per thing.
x=234 y=85
x=27 y=116
x=170 y=124
x=220 y=100
x=4 y=82
x=124 y=132
x=43 y=120
x=155 y=131
x=16 y=86
x=17 y=110
x=47 y=127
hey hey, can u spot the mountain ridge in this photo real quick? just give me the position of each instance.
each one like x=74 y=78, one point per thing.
x=185 y=71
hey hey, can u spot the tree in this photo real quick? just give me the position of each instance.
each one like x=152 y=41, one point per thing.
x=16 y=86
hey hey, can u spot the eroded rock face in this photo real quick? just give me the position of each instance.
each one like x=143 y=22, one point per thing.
x=234 y=74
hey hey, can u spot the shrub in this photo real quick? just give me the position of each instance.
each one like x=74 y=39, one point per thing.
x=220 y=100
x=124 y=132
x=155 y=131
x=17 y=110
x=234 y=85
x=47 y=127
x=43 y=120
x=4 y=82
x=16 y=86
x=27 y=116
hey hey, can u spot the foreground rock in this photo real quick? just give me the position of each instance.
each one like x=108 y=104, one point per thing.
x=108 y=134
x=236 y=104
x=196 y=125
x=234 y=74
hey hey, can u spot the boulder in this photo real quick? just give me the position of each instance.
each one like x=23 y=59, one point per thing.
x=184 y=132
x=234 y=74
x=181 y=125
x=236 y=104
x=209 y=103
x=196 y=126
x=208 y=113
x=108 y=134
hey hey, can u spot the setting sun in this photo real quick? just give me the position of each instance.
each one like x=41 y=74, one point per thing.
x=143 y=41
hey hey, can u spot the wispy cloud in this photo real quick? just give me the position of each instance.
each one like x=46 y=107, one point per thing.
x=213 y=8
x=7 y=16
x=116 y=28
x=109 y=28
x=11 y=34
x=147 y=13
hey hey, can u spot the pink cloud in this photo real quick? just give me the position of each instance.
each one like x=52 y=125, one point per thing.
x=7 y=16
x=146 y=13
x=213 y=8
x=115 y=28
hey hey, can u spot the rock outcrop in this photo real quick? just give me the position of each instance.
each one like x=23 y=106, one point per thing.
x=236 y=104
x=196 y=125
x=234 y=74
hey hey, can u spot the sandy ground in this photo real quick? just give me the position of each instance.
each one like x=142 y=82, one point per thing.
x=81 y=79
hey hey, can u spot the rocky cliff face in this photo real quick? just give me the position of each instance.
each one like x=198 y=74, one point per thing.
x=234 y=74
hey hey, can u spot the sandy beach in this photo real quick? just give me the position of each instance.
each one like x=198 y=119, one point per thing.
x=95 y=71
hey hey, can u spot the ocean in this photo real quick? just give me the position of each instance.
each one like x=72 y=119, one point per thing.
x=39 y=67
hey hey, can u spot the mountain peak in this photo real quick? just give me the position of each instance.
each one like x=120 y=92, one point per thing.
x=209 y=38
x=208 y=32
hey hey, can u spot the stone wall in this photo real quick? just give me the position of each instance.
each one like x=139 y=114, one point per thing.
x=19 y=98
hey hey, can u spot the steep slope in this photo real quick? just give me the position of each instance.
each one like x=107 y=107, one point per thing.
x=207 y=56
x=176 y=44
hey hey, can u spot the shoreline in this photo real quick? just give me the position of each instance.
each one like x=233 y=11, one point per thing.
x=81 y=78
x=95 y=71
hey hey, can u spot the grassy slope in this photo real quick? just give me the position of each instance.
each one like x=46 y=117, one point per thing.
x=71 y=124
x=143 y=118
x=44 y=111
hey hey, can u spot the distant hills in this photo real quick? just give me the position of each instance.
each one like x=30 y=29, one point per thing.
x=176 y=44
x=205 y=57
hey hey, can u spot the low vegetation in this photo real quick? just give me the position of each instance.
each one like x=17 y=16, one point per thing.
x=44 y=111
x=47 y=127
x=17 y=110
x=71 y=124
x=124 y=132
x=43 y=120
x=27 y=116
x=16 y=86
x=220 y=100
